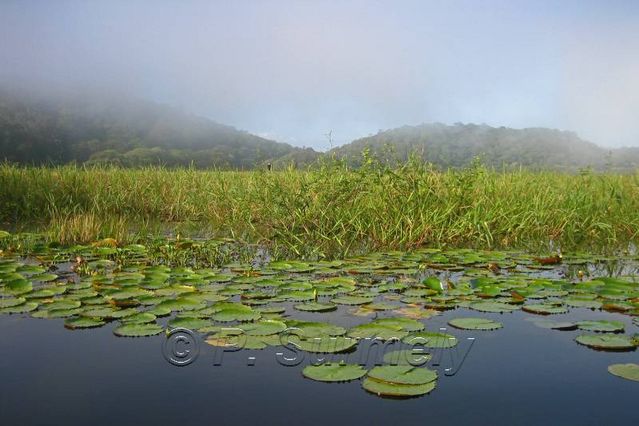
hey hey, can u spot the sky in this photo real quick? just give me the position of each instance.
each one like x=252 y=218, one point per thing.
x=294 y=70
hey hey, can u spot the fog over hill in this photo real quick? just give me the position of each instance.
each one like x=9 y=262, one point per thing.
x=112 y=129
x=92 y=128
x=457 y=145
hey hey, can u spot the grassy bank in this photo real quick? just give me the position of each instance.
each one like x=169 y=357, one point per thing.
x=330 y=211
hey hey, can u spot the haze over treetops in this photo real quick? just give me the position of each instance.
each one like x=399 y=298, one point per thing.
x=130 y=132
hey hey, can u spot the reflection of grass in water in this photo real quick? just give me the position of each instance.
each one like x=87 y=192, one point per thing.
x=331 y=210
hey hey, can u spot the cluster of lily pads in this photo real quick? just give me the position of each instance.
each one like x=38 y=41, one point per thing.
x=251 y=305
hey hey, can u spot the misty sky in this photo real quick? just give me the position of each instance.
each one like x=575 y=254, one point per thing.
x=293 y=70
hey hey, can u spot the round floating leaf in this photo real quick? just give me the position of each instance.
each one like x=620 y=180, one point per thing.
x=402 y=374
x=138 y=330
x=263 y=328
x=414 y=357
x=381 y=306
x=56 y=313
x=334 y=372
x=83 y=322
x=228 y=312
x=555 y=325
x=389 y=389
x=141 y=317
x=352 y=300
x=602 y=326
x=307 y=329
x=626 y=371
x=20 y=309
x=475 y=324
x=607 y=341
x=405 y=324
x=544 y=309
x=377 y=331
x=583 y=303
x=188 y=322
x=316 y=307
x=45 y=277
x=496 y=307
x=7 y=302
x=323 y=344
x=431 y=340
x=18 y=286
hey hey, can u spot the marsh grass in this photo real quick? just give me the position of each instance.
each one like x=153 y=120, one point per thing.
x=329 y=211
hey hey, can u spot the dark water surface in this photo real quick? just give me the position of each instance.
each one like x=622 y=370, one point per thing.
x=518 y=375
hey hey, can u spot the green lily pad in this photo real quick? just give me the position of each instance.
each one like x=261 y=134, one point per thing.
x=475 y=324
x=414 y=357
x=406 y=324
x=602 y=326
x=402 y=374
x=83 y=322
x=307 y=329
x=377 y=331
x=351 y=300
x=140 y=317
x=20 y=309
x=627 y=371
x=334 y=372
x=607 y=341
x=380 y=388
x=263 y=328
x=7 y=302
x=316 y=307
x=138 y=330
x=495 y=307
x=555 y=325
x=188 y=322
x=431 y=340
x=544 y=309
x=324 y=344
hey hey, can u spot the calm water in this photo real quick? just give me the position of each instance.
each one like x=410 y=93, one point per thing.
x=521 y=374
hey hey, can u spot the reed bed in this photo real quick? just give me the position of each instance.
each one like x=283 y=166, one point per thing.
x=329 y=211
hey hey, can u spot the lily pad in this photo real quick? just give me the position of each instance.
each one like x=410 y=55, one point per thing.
x=627 y=371
x=334 y=372
x=83 y=322
x=608 y=341
x=402 y=374
x=380 y=388
x=475 y=324
x=415 y=357
x=495 y=307
x=316 y=307
x=431 y=340
x=544 y=309
x=138 y=330
x=602 y=326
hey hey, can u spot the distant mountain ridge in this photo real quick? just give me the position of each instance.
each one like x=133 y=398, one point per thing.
x=130 y=132
x=88 y=129
x=457 y=145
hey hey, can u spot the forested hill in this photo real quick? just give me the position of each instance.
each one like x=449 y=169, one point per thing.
x=457 y=145
x=125 y=131
x=92 y=129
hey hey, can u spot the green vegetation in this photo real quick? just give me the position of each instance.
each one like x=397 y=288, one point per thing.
x=98 y=129
x=92 y=129
x=328 y=212
x=501 y=147
x=139 y=291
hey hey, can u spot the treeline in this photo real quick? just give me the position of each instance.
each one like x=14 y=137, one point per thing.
x=122 y=131
x=89 y=129
x=457 y=145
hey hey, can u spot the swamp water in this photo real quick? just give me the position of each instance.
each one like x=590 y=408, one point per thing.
x=99 y=335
